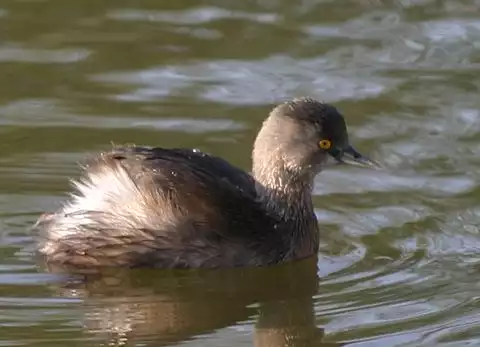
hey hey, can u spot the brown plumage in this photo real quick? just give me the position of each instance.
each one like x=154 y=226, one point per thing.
x=180 y=208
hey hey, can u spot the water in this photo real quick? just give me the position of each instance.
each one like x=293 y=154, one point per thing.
x=400 y=249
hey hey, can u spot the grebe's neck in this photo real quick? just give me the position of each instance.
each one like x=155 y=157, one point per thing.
x=284 y=193
x=288 y=198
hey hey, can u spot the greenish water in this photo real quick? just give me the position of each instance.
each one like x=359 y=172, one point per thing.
x=400 y=249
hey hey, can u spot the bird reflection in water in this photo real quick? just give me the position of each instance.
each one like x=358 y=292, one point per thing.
x=164 y=307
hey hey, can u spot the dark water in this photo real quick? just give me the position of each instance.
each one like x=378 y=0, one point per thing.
x=399 y=248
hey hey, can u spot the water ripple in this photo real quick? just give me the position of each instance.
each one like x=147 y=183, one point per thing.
x=49 y=113
x=250 y=83
x=196 y=16
x=42 y=56
x=355 y=182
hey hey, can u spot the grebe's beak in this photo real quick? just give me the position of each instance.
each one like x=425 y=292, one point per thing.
x=350 y=156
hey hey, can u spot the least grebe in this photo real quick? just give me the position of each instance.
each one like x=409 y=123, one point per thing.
x=180 y=208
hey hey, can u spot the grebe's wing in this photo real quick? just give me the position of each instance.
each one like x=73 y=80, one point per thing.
x=178 y=206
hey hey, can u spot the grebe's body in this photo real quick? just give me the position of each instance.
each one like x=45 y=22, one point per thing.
x=180 y=208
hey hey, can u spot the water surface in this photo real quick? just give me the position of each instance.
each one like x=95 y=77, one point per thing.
x=398 y=264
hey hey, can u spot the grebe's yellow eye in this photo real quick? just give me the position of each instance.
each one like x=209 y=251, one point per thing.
x=325 y=144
